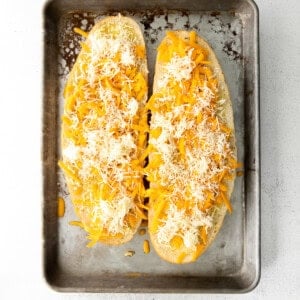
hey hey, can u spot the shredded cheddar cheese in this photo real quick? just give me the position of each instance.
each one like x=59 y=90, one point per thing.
x=104 y=133
x=81 y=32
x=146 y=246
x=60 y=207
x=191 y=157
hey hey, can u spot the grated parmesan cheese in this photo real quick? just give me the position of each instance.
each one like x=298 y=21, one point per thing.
x=132 y=107
x=111 y=213
x=178 y=69
x=70 y=152
x=127 y=56
x=179 y=222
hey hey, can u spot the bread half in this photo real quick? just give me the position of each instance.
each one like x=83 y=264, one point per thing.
x=104 y=126
x=192 y=157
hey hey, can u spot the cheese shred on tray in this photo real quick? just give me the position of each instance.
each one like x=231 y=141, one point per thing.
x=104 y=127
x=192 y=154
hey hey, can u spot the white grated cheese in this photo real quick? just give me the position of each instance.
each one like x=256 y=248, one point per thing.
x=103 y=47
x=109 y=69
x=179 y=68
x=127 y=57
x=184 y=224
x=70 y=152
x=132 y=106
x=111 y=213
x=181 y=126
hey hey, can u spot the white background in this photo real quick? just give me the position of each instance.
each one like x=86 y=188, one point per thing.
x=21 y=36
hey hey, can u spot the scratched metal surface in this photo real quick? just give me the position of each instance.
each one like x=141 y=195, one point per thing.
x=231 y=264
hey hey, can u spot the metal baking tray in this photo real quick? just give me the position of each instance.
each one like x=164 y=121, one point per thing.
x=232 y=263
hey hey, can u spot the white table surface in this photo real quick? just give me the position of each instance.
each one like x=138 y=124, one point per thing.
x=20 y=126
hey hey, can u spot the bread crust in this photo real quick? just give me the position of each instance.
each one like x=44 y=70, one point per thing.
x=165 y=251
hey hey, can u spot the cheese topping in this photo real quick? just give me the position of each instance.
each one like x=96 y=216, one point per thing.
x=112 y=213
x=185 y=223
x=191 y=154
x=179 y=68
x=103 y=131
x=71 y=152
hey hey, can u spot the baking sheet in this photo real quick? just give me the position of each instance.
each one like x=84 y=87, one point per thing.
x=231 y=264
